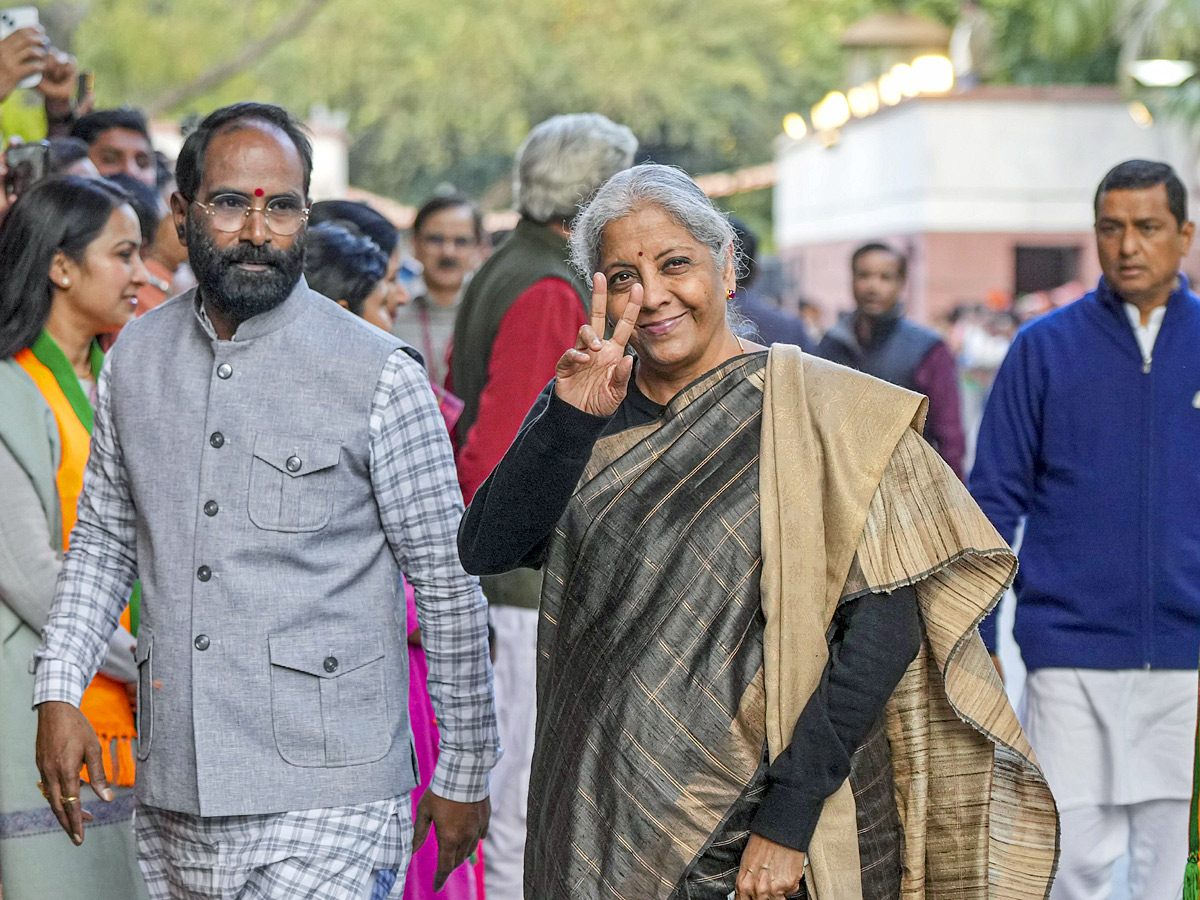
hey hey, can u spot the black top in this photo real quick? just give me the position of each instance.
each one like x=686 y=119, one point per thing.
x=873 y=637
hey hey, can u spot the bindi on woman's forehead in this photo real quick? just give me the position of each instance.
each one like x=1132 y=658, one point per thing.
x=640 y=253
x=258 y=192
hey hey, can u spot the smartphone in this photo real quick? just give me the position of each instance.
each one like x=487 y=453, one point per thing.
x=85 y=84
x=27 y=164
x=15 y=19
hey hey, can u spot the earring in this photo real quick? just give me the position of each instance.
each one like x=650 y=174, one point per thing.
x=730 y=294
x=66 y=282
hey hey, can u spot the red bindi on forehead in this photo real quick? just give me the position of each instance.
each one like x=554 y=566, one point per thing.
x=258 y=192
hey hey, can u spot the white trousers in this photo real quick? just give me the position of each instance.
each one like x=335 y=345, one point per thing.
x=515 y=675
x=1095 y=837
x=1116 y=747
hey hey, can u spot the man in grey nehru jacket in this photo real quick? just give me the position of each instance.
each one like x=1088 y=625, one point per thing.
x=268 y=465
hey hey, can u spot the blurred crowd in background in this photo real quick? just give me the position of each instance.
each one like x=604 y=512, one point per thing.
x=407 y=272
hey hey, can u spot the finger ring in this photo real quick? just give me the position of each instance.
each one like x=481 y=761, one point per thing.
x=764 y=866
x=70 y=799
x=42 y=787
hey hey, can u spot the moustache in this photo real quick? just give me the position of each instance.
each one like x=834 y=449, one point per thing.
x=447 y=262
x=259 y=256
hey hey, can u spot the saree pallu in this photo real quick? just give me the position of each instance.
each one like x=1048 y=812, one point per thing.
x=658 y=691
x=465 y=882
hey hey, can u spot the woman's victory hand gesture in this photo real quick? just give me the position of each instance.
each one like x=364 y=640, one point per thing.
x=594 y=374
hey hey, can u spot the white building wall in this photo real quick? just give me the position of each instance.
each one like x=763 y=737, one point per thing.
x=992 y=160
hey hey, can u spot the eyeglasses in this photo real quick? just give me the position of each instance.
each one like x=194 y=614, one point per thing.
x=229 y=213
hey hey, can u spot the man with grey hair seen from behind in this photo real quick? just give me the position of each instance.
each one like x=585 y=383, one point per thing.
x=522 y=307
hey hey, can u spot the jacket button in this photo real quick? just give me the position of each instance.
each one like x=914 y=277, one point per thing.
x=224 y=370
x=293 y=464
x=211 y=508
x=201 y=642
x=204 y=573
x=331 y=664
x=217 y=440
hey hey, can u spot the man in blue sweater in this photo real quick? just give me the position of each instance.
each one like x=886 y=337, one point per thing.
x=1091 y=436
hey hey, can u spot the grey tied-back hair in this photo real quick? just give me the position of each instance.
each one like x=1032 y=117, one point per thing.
x=679 y=197
x=650 y=185
x=563 y=160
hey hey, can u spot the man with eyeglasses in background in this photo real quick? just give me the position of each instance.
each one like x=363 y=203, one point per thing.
x=447 y=238
x=268 y=486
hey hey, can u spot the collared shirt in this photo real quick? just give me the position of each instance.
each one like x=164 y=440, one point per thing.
x=1146 y=334
x=413 y=479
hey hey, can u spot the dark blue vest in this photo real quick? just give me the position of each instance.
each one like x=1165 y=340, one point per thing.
x=895 y=352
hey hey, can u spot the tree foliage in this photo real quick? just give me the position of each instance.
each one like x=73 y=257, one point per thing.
x=450 y=89
x=1129 y=30
x=446 y=91
x=1034 y=47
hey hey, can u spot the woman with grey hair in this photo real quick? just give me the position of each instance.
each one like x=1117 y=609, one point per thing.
x=759 y=606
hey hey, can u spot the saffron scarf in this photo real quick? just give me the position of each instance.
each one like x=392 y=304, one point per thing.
x=105 y=703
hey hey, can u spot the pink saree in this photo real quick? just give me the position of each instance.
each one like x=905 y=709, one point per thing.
x=465 y=882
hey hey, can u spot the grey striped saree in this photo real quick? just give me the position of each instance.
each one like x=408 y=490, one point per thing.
x=660 y=670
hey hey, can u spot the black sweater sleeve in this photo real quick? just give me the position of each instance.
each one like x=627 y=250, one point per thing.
x=514 y=511
x=875 y=637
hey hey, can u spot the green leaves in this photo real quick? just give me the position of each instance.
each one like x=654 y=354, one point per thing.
x=432 y=88
x=446 y=91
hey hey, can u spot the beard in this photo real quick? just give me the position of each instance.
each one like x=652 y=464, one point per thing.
x=233 y=290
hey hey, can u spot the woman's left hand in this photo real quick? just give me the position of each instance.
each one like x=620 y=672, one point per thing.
x=769 y=871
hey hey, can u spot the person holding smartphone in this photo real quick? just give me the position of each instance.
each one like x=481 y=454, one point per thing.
x=23 y=54
x=27 y=60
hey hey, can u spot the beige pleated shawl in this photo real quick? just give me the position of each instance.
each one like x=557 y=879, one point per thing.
x=853 y=500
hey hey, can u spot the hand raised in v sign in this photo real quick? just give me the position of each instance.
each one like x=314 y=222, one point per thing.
x=594 y=374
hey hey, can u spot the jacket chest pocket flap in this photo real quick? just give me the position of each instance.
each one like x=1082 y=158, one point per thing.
x=329 y=699
x=291 y=481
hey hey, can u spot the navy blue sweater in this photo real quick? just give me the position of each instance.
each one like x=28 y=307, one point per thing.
x=1100 y=454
